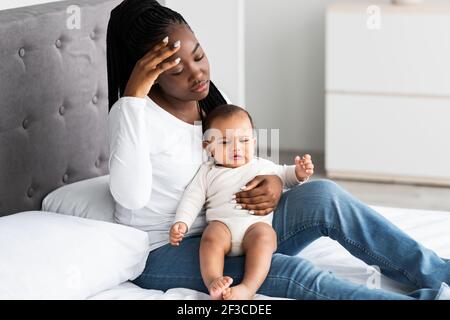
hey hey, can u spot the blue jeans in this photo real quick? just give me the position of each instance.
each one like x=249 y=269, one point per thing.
x=309 y=211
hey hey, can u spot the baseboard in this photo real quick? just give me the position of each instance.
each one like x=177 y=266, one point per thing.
x=361 y=176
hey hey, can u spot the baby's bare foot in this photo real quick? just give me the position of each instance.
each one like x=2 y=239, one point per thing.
x=217 y=287
x=239 y=292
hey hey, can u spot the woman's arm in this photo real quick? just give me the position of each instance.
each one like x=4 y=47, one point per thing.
x=129 y=161
x=130 y=168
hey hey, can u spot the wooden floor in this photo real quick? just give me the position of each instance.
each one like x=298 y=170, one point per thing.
x=384 y=194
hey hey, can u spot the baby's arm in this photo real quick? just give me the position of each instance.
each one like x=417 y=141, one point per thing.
x=191 y=204
x=296 y=174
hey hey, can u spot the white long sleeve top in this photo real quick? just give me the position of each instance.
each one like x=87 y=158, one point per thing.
x=213 y=187
x=153 y=157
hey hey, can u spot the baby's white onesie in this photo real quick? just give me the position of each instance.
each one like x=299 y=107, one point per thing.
x=213 y=187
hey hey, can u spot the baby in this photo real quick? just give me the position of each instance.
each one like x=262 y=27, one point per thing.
x=230 y=142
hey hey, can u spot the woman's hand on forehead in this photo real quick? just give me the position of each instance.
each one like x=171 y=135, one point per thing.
x=150 y=66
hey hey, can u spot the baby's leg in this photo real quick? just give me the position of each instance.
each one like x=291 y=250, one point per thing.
x=260 y=242
x=215 y=244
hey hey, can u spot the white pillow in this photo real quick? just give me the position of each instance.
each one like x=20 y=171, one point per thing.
x=45 y=255
x=89 y=198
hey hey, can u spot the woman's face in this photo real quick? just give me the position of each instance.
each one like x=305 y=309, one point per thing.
x=189 y=80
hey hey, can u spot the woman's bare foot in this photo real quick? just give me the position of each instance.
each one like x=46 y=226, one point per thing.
x=239 y=292
x=217 y=287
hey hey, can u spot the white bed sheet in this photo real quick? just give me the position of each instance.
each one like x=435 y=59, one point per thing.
x=431 y=228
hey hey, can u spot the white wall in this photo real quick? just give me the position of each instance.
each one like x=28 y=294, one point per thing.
x=219 y=26
x=285 y=69
x=285 y=66
x=9 y=4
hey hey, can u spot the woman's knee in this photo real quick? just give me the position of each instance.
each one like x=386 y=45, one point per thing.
x=317 y=202
x=322 y=186
x=325 y=192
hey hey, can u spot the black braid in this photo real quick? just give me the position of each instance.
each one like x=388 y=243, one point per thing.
x=135 y=26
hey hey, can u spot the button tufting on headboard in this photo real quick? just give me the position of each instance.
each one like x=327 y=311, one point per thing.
x=25 y=124
x=49 y=93
x=30 y=192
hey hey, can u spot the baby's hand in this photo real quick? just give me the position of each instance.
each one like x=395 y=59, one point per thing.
x=304 y=167
x=177 y=233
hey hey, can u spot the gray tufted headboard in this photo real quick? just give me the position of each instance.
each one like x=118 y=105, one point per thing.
x=53 y=99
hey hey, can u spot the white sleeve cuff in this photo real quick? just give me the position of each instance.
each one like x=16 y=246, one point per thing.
x=186 y=218
x=133 y=102
x=291 y=177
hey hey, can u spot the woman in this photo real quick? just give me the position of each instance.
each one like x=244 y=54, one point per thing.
x=159 y=88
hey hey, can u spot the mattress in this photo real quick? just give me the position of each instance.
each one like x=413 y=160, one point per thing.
x=431 y=228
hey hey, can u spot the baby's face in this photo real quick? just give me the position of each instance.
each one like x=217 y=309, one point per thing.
x=232 y=143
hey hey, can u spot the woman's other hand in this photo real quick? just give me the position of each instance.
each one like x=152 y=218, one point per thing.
x=261 y=195
x=149 y=67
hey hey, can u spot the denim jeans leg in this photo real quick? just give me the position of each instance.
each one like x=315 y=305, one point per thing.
x=296 y=278
x=305 y=213
x=322 y=208
x=289 y=277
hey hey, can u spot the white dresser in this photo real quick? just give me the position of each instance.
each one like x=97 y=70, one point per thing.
x=388 y=92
